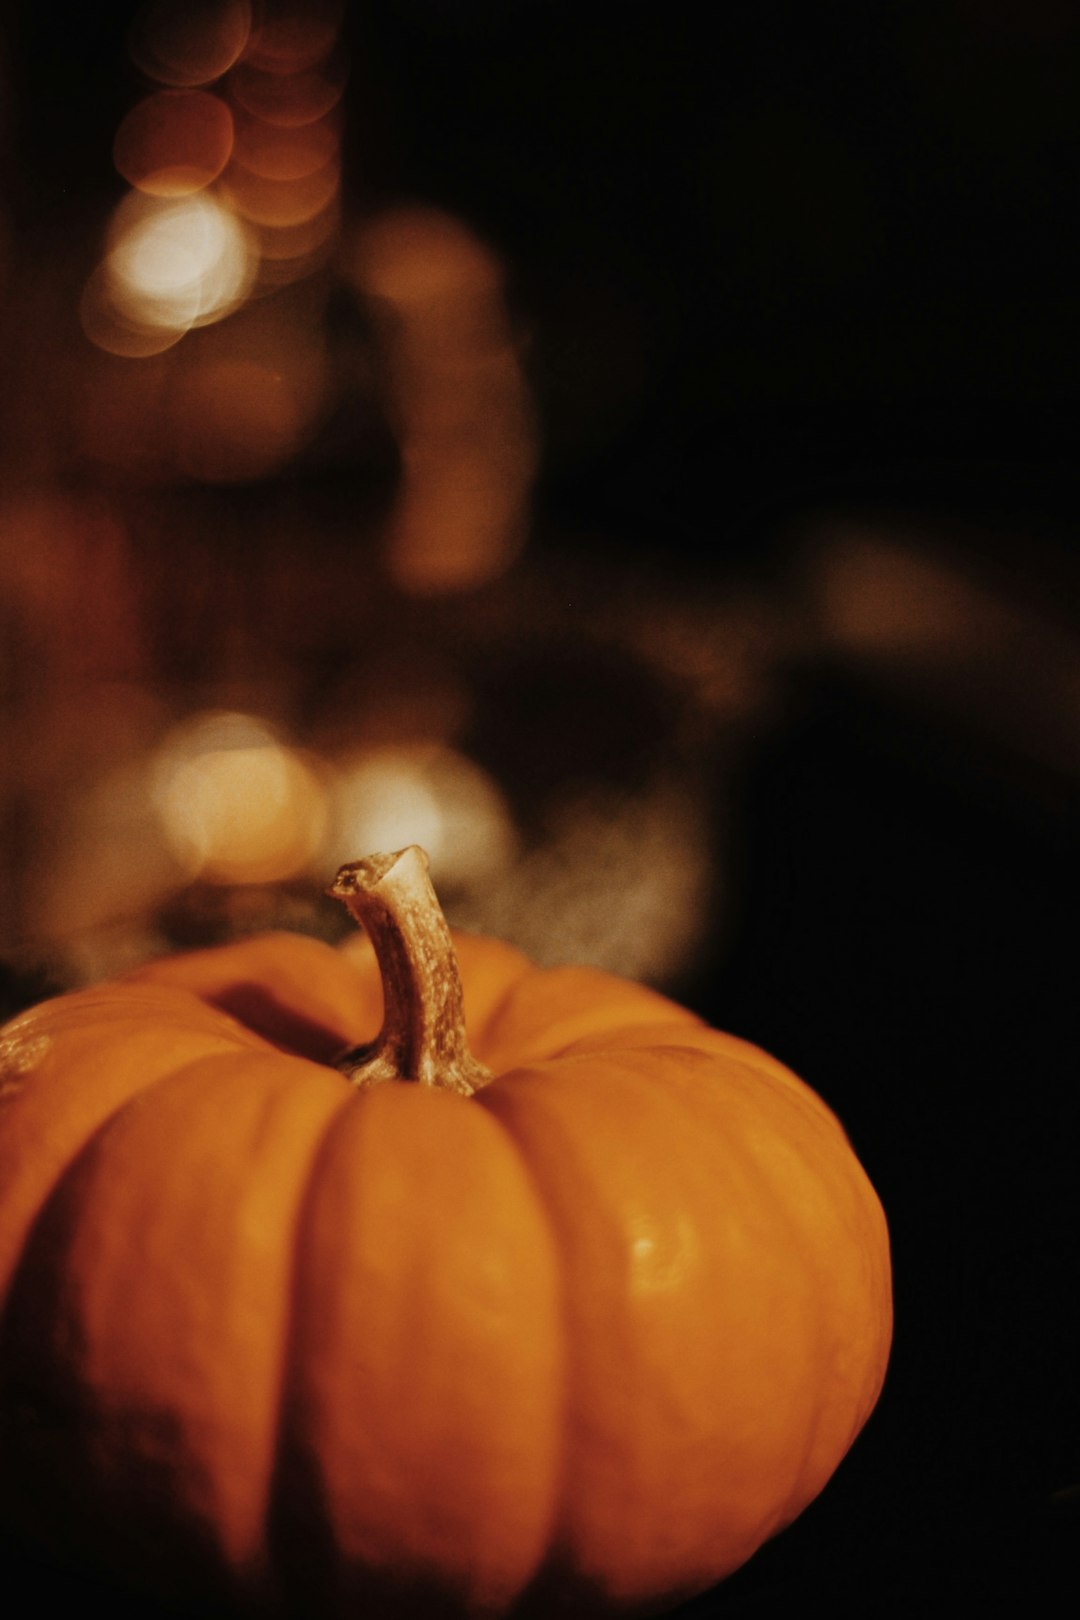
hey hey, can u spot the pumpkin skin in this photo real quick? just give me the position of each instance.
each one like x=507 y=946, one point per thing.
x=577 y=1343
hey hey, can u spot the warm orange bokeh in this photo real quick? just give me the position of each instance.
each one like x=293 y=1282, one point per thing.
x=278 y=152
x=176 y=263
x=232 y=420
x=236 y=804
x=189 y=42
x=289 y=99
x=292 y=35
x=289 y=252
x=280 y=203
x=174 y=142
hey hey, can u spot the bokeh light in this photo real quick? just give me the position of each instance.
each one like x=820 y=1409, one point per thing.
x=285 y=175
x=107 y=324
x=287 y=253
x=421 y=259
x=434 y=796
x=174 y=142
x=236 y=805
x=276 y=152
x=240 y=153
x=290 y=99
x=185 y=43
x=292 y=35
x=267 y=200
x=175 y=263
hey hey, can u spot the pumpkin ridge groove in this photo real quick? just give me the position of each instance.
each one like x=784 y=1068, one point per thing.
x=17 y=1394
x=800 y=1110
x=286 y=1462
x=560 y=1474
x=756 y=1165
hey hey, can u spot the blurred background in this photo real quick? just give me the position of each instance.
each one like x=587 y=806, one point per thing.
x=635 y=454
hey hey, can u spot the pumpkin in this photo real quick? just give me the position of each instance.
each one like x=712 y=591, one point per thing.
x=571 y=1325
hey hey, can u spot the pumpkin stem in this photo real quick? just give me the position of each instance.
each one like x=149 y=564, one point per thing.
x=423 y=1032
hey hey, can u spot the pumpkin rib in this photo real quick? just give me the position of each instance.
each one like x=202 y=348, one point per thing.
x=587 y=1211
x=297 y=993
x=561 y=1473
x=349 y=1316
x=762 y=1167
x=34 y=1153
x=643 y=1080
x=25 y=1276
x=169 y=1381
x=572 y=1217
x=549 y=1010
x=281 y=1516
x=760 y=1161
x=678 y=1036
x=804 y=1107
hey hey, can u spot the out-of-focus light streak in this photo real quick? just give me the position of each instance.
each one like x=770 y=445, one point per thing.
x=930 y=619
x=875 y=596
x=69 y=604
x=461 y=405
x=111 y=867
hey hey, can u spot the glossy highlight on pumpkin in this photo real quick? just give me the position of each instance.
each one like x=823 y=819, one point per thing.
x=576 y=1343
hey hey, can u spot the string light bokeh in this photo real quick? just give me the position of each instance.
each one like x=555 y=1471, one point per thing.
x=209 y=309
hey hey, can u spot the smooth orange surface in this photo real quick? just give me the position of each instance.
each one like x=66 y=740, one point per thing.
x=586 y=1338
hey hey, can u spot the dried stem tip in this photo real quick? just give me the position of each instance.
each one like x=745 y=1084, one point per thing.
x=423 y=1032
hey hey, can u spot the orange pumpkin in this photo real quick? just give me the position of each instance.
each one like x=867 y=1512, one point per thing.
x=574 y=1338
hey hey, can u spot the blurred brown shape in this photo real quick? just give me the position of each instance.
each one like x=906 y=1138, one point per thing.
x=459 y=400
x=232 y=420
x=929 y=615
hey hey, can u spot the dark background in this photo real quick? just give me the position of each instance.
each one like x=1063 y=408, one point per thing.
x=777 y=262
